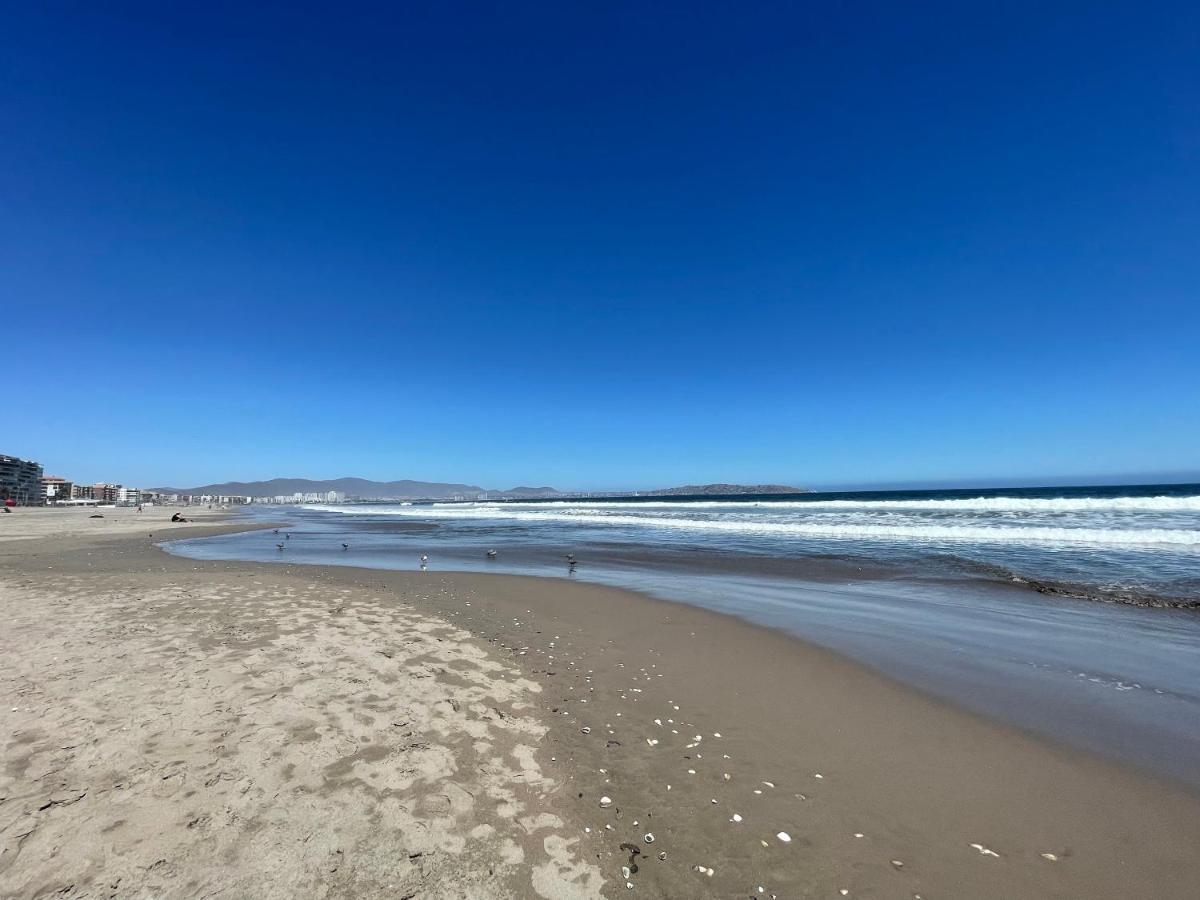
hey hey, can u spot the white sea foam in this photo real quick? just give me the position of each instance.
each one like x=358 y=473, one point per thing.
x=963 y=504
x=907 y=528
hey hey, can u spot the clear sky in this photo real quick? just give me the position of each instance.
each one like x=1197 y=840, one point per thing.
x=601 y=245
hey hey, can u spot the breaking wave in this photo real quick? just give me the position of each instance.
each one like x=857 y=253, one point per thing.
x=906 y=529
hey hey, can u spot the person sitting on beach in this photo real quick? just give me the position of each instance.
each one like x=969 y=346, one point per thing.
x=178 y=518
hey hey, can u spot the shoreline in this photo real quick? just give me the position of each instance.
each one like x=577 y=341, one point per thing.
x=1045 y=665
x=921 y=780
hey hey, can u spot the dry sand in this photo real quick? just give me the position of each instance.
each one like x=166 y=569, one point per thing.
x=173 y=733
x=30 y=523
x=189 y=728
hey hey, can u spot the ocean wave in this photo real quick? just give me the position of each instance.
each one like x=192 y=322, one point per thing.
x=964 y=504
x=1014 y=533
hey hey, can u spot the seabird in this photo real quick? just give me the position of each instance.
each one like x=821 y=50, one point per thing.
x=345 y=546
x=280 y=546
x=491 y=554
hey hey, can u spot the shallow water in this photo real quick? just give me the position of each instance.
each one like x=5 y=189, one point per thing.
x=1122 y=681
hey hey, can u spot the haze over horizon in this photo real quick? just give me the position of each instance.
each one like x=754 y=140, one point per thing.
x=620 y=248
x=966 y=484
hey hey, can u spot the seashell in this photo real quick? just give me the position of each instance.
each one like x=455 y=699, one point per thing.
x=691 y=771
x=605 y=802
x=818 y=775
x=653 y=742
x=736 y=818
x=1050 y=856
x=785 y=837
x=662 y=854
x=984 y=851
x=629 y=884
x=648 y=837
x=769 y=784
x=897 y=864
x=586 y=730
x=727 y=776
x=625 y=873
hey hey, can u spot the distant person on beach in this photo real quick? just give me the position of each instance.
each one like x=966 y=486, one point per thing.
x=178 y=518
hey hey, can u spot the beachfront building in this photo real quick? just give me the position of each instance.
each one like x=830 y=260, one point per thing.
x=55 y=489
x=129 y=496
x=82 y=492
x=20 y=481
x=335 y=497
x=102 y=492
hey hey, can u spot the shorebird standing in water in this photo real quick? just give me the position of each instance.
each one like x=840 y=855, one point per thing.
x=491 y=554
x=345 y=546
x=280 y=546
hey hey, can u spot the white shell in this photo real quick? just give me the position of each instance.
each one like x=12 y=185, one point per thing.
x=649 y=837
x=605 y=802
x=784 y=836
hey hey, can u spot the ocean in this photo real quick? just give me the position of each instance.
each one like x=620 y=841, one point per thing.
x=1073 y=612
x=1137 y=543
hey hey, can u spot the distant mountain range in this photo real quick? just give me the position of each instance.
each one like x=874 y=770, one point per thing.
x=365 y=489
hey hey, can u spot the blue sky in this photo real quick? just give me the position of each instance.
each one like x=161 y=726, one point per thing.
x=601 y=245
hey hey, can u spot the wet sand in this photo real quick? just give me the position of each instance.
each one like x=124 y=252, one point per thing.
x=189 y=728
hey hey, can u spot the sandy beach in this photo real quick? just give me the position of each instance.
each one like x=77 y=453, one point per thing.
x=177 y=728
